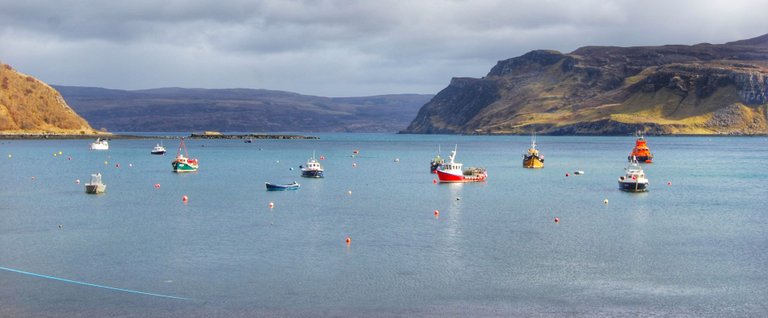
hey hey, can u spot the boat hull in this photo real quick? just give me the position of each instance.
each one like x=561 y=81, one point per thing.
x=183 y=167
x=642 y=159
x=281 y=187
x=633 y=186
x=158 y=152
x=533 y=162
x=95 y=188
x=312 y=173
x=99 y=147
x=447 y=177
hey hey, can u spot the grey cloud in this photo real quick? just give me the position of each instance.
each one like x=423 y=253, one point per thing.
x=334 y=47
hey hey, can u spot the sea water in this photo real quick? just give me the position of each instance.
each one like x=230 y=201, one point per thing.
x=695 y=244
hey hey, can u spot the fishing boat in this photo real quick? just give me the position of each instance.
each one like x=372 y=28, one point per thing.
x=183 y=163
x=95 y=186
x=100 y=144
x=451 y=171
x=436 y=162
x=158 y=150
x=641 y=151
x=532 y=159
x=313 y=169
x=280 y=187
x=634 y=179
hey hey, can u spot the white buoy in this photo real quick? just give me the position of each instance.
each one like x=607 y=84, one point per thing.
x=349 y=192
x=605 y=201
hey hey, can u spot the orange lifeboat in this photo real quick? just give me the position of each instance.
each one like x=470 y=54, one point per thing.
x=641 y=151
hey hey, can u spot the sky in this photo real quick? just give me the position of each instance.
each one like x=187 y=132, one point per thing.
x=335 y=47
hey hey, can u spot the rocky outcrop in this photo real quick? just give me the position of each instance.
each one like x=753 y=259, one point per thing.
x=29 y=106
x=671 y=89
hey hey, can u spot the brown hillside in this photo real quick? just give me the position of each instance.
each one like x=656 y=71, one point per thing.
x=29 y=106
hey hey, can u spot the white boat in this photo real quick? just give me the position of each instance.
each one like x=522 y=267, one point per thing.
x=634 y=179
x=95 y=186
x=313 y=169
x=100 y=144
x=158 y=150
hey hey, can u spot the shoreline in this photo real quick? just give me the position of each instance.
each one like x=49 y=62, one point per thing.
x=159 y=136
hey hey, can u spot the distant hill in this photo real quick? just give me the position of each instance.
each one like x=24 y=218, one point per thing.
x=670 y=89
x=29 y=106
x=246 y=110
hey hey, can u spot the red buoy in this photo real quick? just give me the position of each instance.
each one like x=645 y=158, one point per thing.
x=567 y=174
x=437 y=213
x=271 y=205
x=348 y=240
x=557 y=220
x=434 y=180
x=184 y=198
x=157 y=186
x=669 y=183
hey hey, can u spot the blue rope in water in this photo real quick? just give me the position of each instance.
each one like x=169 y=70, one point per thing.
x=89 y=284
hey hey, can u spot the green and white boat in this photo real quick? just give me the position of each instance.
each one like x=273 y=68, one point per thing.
x=183 y=163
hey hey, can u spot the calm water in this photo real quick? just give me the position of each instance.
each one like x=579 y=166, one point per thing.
x=697 y=247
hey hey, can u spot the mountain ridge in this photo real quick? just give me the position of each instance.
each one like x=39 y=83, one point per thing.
x=239 y=109
x=669 y=89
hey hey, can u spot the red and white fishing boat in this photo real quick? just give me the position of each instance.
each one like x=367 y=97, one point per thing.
x=451 y=171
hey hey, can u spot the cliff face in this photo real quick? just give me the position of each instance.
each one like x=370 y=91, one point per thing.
x=28 y=105
x=672 y=89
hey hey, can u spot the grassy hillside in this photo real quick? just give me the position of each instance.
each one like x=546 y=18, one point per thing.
x=672 y=89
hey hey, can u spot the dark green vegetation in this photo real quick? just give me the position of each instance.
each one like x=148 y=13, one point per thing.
x=671 y=89
x=246 y=110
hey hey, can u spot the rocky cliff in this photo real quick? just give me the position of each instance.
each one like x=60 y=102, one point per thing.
x=29 y=106
x=671 y=89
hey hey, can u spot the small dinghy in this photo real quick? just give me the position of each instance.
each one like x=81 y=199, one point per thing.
x=281 y=187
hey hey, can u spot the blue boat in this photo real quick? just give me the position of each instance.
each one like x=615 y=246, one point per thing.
x=280 y=187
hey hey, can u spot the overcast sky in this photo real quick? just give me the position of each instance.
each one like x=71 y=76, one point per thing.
x=335 y=47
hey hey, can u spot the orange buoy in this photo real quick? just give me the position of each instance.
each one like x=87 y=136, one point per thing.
x=348 y=240
x=557 y=220
x=271 y=205
x=437 y=213
x=157 y=186
x=184 y=198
